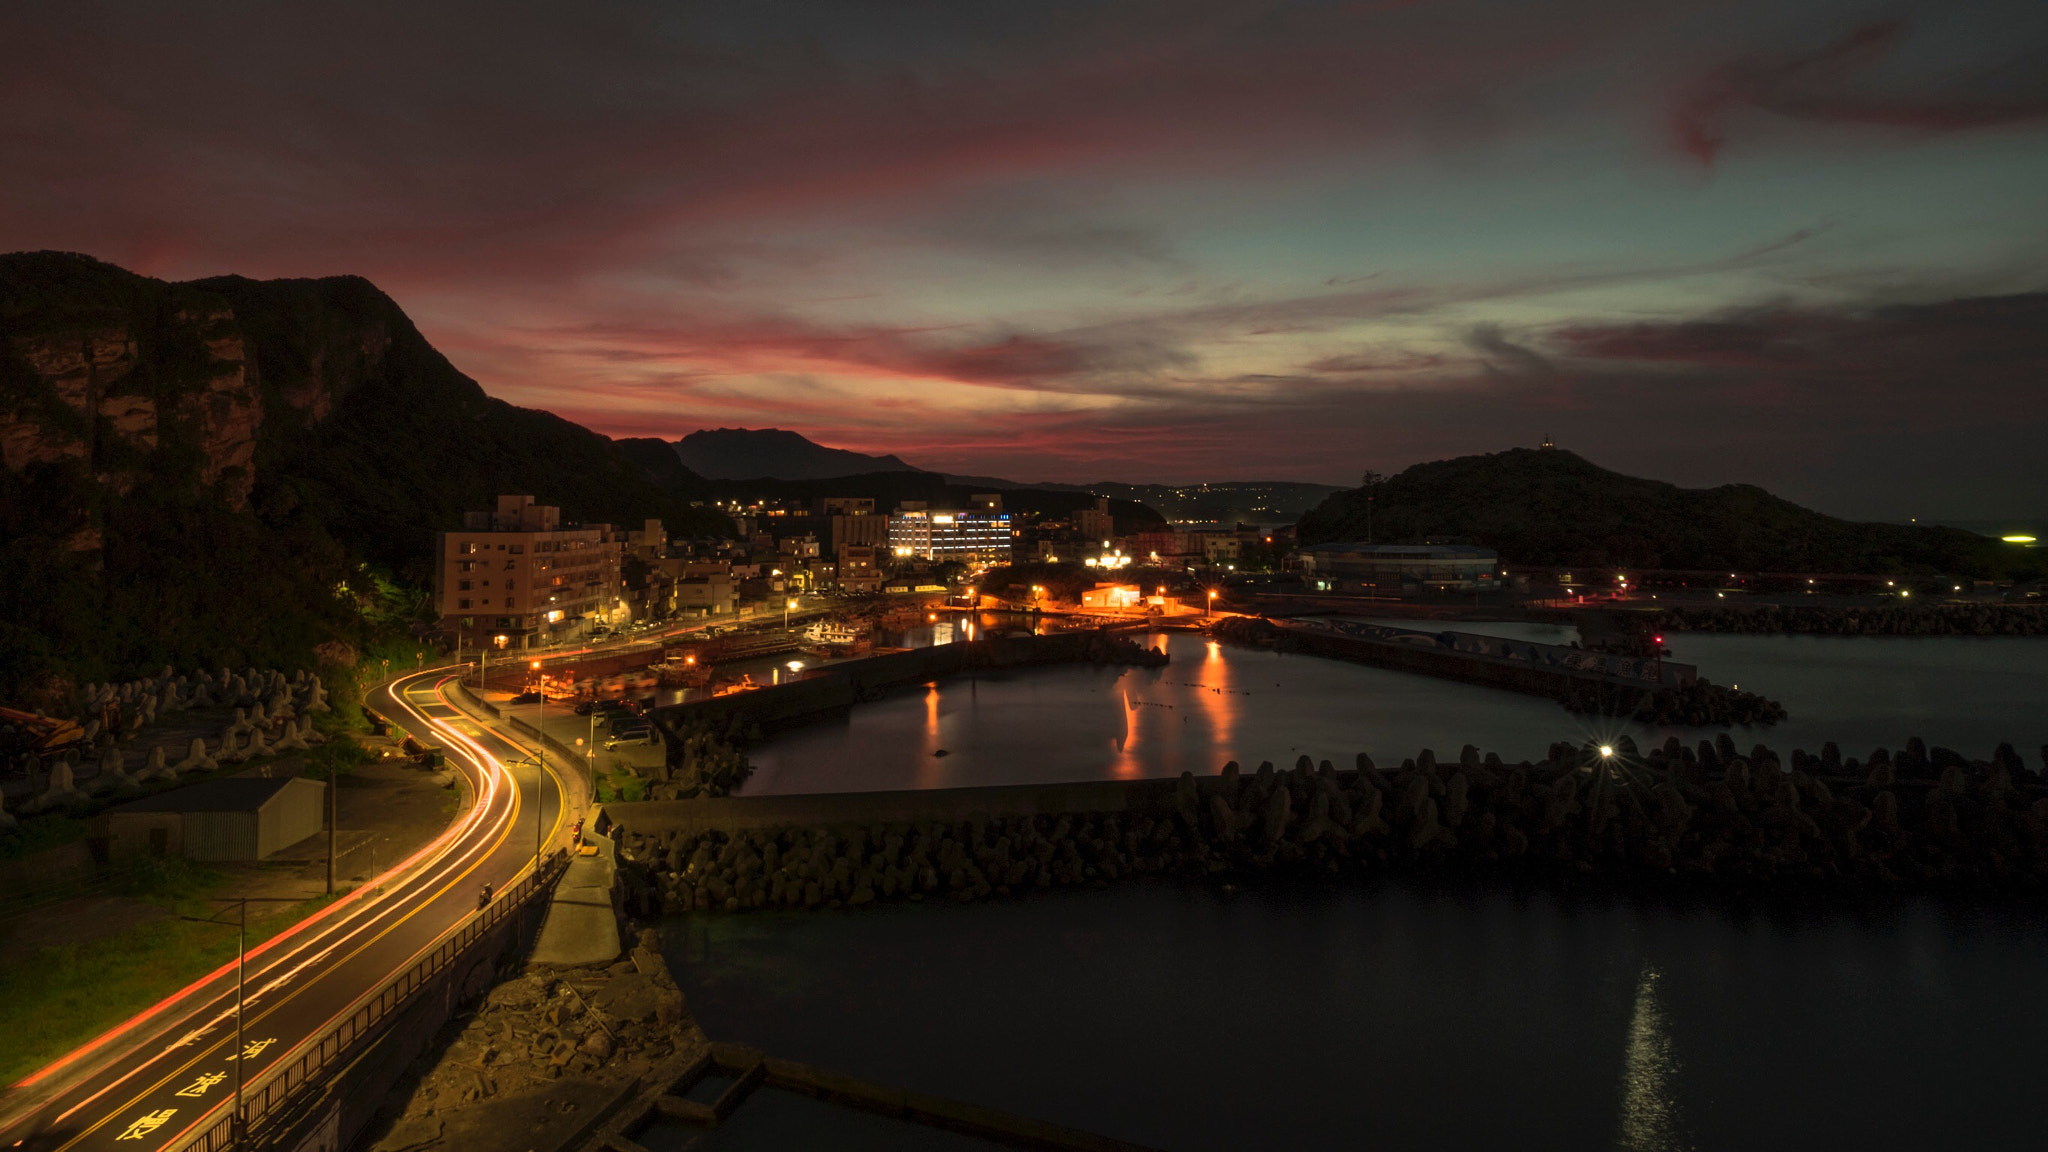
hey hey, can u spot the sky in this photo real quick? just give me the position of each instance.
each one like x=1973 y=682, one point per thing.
x=1803 y=245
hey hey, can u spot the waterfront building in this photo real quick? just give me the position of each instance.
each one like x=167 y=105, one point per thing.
x=860 y=568
x=1400 y=569
x=977 y=539
x=1096 y=523
x=517 y=578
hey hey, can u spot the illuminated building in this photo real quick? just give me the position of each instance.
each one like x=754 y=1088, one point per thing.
x=518 y=573
x=973 y=538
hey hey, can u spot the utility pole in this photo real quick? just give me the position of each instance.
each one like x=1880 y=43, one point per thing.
x=241 y=987
x=540 y=768
x=241 y=977
x=333 y=820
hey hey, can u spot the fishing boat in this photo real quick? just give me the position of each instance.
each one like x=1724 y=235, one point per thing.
x=830 y=635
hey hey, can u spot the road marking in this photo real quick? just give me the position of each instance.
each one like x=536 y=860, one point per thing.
x=368 y=912
x=509 y=822
x=540 y=796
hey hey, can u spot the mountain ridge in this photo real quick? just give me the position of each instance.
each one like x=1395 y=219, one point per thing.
x=206 y=471
x=1550 y=506
x=774 y=454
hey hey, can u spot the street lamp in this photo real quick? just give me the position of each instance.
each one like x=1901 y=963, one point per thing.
x=241 y=966
x=539 y=769
x=1212 y=603
x=787 y=606
x=540 y=717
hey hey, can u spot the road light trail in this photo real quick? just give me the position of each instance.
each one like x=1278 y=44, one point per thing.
x=309 y=976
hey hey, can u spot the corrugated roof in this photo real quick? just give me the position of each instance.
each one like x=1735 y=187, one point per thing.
x=230 y=794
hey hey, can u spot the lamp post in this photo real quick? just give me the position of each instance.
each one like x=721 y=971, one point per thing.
x=1212 y=604
x=787 y=605
x=538 y=769
x=241 y=904
x=540 y=750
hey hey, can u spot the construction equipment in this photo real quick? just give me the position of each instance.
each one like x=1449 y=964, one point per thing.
x=35 y=734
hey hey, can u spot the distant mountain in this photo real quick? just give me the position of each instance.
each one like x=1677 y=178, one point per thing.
x=1232 y=502
x=1553 y=507
x=201 y=471
x=773 y=453
x=888 y=489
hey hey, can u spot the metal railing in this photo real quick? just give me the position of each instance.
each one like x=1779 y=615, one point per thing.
x=314 y=1058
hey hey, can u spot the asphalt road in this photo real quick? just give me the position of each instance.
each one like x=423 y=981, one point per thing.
x=118 y=1094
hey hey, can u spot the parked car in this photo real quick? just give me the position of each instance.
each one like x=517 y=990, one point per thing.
x=630 y=738
x=527 y=698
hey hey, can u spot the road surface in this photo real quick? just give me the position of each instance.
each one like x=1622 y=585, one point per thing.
x=118 y=1094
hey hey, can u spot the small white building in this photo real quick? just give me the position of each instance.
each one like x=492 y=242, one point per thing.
x=233 y=818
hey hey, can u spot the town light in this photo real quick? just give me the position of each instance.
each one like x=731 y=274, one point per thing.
x=2017 y=538
x=1606 y=751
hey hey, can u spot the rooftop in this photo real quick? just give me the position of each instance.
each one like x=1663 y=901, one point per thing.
x=228 y=794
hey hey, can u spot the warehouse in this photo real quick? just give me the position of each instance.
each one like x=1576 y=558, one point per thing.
x=237 y=818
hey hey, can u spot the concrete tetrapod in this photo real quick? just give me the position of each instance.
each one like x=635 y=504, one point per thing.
x=155 y=768
x=61 y=792
x=196 y=759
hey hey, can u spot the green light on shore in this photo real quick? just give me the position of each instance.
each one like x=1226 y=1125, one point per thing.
x=2017 y=539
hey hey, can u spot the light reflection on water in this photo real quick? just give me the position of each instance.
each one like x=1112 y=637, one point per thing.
x=1217 y=702
x=1405 y=1014
x=1649 y=1107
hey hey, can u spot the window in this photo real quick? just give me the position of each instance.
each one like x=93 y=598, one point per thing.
x=518 y=549
x=463 y=586
x=511 y=585
x=466 y=548
x=463 y=604
x=511 y=565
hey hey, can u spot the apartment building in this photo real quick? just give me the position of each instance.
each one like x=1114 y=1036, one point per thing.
x=517 y=578
x=974 y=538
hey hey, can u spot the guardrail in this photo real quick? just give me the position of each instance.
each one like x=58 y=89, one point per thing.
x=268 y=1102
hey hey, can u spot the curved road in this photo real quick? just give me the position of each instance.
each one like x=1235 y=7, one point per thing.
x=119 y=1094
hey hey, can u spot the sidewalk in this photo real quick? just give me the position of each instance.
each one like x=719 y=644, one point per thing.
x=581 y=927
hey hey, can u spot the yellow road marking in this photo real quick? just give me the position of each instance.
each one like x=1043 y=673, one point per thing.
x=511 y=821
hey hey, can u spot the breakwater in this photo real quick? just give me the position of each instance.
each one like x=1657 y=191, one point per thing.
x=704 y=737
x=1913 y=816
x=1887 y=620
x=1646 y=689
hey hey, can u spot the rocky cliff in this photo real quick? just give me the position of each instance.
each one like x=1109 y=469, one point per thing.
x=192 y=469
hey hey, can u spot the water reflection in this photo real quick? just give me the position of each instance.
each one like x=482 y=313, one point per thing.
x=1218 y=702
x=1649 y=1105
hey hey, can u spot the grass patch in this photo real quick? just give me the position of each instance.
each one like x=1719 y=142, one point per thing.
x=39 y=834
x=66 y=995
x=620 y=786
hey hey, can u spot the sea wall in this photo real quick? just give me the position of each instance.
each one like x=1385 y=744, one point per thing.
x=1645 y=689
x=1675 y=814
x=1887 y=620
x=839 y=686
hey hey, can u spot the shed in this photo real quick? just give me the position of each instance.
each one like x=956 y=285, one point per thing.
x=234 y=818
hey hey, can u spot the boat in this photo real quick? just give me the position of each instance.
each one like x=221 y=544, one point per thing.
x=831 y=634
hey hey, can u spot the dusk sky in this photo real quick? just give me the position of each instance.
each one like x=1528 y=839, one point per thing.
x=1802 y=245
